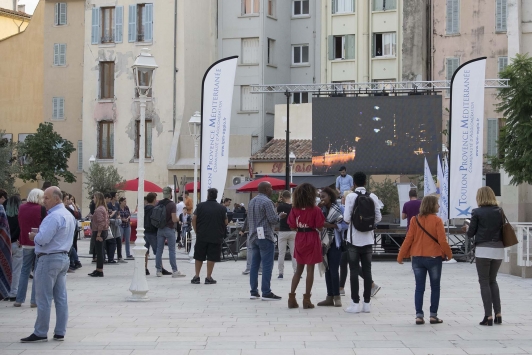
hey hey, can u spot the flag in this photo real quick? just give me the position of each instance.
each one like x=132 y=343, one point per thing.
x=441 y=185
x=428 y=181
x=444 y=205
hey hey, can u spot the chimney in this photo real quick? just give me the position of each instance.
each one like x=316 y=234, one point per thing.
x=22 y=8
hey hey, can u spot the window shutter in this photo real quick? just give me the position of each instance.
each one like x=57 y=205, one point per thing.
x=449 y=16
x=504 y=14
x=62 y=13
x=456 y=16
x=132 y=24
x=330 y=42
x=493 y=133
x=148 y=24
x=62 y=54
x=56 y=14
x=119 y=24
x=60 y=108
x=334 y=6
x=80 y=155
x=353 y=6
x=350 y=47
x=56 y=54
x=95 y=34
x=502 y=63
x=55 y=110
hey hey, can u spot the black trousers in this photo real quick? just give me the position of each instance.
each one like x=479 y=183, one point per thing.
x=110 y=247
x=357 y=256
x=98 y=248
x=343 y=269
x=119 y=247
x=487 y=270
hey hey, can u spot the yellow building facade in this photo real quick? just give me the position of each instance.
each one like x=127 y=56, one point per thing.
x=12 y=22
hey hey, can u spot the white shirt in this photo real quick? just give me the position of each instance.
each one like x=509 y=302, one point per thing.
x=179 y=208
x=354 y=236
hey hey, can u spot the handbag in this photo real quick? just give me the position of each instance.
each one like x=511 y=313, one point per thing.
x=508 y=234
x=444 y=257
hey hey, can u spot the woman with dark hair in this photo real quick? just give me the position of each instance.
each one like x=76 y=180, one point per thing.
x=426 y=243
x=331 y=246
x=305 y=218
x=99 y=227
x=125 y=227
x=13 y=203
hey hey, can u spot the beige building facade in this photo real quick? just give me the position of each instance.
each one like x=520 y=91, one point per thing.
x=12 y=22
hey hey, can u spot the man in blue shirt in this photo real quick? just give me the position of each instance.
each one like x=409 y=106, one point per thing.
x=344 y=182
x=52 y=243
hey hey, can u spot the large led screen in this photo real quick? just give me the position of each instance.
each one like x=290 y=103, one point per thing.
x=376 y=134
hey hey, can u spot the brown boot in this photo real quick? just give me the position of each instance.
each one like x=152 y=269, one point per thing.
x=328 y=302
x=292 y=302
x=337 y=301
x=306 y=302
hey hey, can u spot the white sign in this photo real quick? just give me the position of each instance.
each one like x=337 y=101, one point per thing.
x=428 y=181
x=217 y=97
x=467 y=134
x=403 y=188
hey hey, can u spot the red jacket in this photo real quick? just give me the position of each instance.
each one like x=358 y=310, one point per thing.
x=30 y=215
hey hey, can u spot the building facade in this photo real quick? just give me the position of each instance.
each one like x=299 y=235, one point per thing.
x=12 y=22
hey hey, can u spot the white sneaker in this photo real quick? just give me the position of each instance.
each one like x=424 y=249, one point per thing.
x=374 y=289
x=177 y=274
x=159 y=274
x=245 y=272
x=353 y=307
x=366 y=308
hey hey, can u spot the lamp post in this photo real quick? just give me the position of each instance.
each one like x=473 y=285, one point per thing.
x=143 y=69
x=292 y=157
x=92 y=160
x=287 y=146
x=194 y=127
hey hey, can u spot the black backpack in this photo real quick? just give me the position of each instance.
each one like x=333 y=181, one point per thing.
x=148 y=227
x=158 y=215
x=363 y=216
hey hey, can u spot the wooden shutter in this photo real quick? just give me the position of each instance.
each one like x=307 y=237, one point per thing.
x=504 y=15
x=119 y=24
x=350 y=47
x=330 y=46
x=61 y=108
x=500 y=15
x=449 y=17
x=456 y=16
x=148 y=23
x=55 y=108
x=62 y=13
x=56 y=21
x=502 y=63
x=62 y=54
x=132 y=24
x=95 y=31
x=80 y=155
x=56 y=54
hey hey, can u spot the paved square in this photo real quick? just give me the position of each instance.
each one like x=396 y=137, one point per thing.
x=182 y=318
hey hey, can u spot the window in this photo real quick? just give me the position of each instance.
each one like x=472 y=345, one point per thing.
x=107 y=80
x=107 y=25
x=502 y=63
x=59 y=54
x=271 y=8
x=250 y=7
x=493 y=136
x=384 y=44
x=300 y=98
x=300 y=8
x=501 y=15
x=453 y=17
x=143 y=81
x=60 y=14
x=250 y=50
x=147 y=139
x=271 y=51
x=58 y=108
x=342 y=47
x=343 y=6
x=248 y=101
x=384 y=5
x=80 y=155
x=300 y=54
x=105 y=140
x=140 y=23
x=451 y=65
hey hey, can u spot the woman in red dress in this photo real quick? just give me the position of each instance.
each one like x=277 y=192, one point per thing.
x=305 y=218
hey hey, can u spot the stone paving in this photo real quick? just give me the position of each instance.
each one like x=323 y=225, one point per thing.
x=182 y=318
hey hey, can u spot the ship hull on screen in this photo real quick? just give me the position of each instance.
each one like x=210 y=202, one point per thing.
x=376 y=134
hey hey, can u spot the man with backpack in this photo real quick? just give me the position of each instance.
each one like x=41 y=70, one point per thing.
x=163 y=216
x=150 y=231
x=362 y=212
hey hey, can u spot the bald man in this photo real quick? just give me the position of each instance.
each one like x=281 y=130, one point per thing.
x=52 y=243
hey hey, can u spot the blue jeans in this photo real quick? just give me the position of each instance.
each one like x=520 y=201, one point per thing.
x=50 y=283
x=167 y=234
x=126 y=234
x=28 y=257
x=421 y=265
x=16 y=259
x=73 y=257
x=151 y=241
x=262 y=252
x=332 y=275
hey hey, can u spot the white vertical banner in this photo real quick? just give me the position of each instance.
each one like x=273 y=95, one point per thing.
x=443 y=213
x=467 y=136
x=216 y=101
x=428 y=182
x=445 y=192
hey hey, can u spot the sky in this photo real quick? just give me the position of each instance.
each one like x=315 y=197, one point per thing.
x=30 y=5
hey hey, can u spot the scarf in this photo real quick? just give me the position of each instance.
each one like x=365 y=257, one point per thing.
x=5 y=255
x=334 y=216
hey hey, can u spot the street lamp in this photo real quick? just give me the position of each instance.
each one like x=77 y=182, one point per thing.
x=292 y=159
x=92 y=160
x=143 y=69
x=194 y=128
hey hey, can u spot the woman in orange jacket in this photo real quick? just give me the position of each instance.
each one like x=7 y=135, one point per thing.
x=426 y=243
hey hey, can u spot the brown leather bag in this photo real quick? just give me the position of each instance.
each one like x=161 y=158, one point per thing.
x=508 y=234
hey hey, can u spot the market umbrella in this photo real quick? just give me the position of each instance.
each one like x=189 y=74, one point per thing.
x=277 y=184
x=190 y=187
x=133 y=185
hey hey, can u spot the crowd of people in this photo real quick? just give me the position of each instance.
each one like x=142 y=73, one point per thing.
x=39 y=235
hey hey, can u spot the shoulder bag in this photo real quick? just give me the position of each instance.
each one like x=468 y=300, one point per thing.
x=444 y=257
x=508 y=234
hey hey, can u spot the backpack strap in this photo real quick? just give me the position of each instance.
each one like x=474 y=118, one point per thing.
x=424 y=230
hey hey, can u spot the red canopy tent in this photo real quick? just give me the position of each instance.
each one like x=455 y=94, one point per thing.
x=133 y=185
x=277 y=184
x=190 y=187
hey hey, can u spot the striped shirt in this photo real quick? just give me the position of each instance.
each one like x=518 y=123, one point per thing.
x=261 y=213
